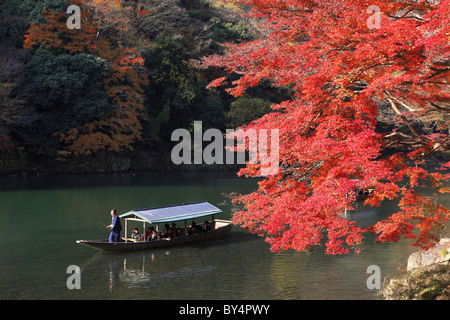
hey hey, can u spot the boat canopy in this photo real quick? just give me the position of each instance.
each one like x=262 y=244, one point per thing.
x=173 y=213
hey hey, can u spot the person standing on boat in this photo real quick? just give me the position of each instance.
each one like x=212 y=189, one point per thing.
x=115 y=227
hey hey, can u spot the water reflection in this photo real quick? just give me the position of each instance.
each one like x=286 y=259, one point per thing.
x=114 y=266
x=174 y=271
x=134 y=274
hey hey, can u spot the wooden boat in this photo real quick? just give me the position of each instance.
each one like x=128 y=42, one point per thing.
x=362 y=193
x=168 y=214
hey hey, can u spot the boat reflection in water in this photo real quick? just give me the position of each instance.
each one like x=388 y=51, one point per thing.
x=155 y=269
x=136 y=275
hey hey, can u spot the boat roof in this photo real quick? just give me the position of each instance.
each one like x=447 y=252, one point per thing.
x=174 y=212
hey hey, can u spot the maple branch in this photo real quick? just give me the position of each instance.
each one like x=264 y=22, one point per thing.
x=402 y=116
x=439 y=107
x=440 y=145
x=437 y=71
x=296 y=10
x=408 y=14
x=300 y=172
x=405 y=105
x=397 y=111
x=397 y=134
x=362 y=70
x=410 y=142
x=412 y=16
x=413 y=142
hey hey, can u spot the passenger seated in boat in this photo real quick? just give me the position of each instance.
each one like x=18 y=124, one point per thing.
x=169 y=234
x=154 y=236
x=206 y=226
x=179 y=233
x=164 y=234
x=148 y=233
x=196 y=227
x=192 y=231
x=135 y=234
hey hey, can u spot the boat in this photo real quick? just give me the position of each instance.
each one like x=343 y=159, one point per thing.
x=163 y=215
x=362 y=193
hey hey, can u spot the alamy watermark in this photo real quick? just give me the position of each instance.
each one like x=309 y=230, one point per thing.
x=374 y=281
x=74 y=280
x=256 y=141
x=374 y=21
x=74 y=21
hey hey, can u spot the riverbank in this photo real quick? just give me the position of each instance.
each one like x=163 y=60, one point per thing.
x=427 y=276
x=19 y=162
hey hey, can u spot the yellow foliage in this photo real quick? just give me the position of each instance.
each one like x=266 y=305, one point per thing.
x=226 y=4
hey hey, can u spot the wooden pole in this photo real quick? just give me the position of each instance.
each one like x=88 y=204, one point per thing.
x=143 y=231
x=126 y=225
x=102 y=224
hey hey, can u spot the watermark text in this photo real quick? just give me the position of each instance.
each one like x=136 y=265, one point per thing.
x=260 y=150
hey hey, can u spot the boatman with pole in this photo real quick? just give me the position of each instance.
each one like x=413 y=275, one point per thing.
x=115 y=227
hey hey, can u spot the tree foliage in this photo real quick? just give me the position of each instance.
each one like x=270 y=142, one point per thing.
x=245 y=109
x=123 y=84
x=67 y=91
x=121 y=81
x=12 y=114
x=345 y=75
x=177 y=92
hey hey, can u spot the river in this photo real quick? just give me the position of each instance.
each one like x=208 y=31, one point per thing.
x=42 y=217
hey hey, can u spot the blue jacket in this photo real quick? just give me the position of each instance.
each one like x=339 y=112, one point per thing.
x=115 y=224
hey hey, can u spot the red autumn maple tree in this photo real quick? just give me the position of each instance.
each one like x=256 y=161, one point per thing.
x=345 y=77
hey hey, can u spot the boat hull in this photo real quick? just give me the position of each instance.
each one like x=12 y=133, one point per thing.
x=105 y=245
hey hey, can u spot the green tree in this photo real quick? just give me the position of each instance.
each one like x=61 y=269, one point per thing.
x=31 y=10
x=227 y=31
x=208 y=107
x=66 y=91
x=15 y=17
x=245 y=109
x=177 y=93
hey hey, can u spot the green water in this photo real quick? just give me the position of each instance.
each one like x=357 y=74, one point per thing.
x=41 y=218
